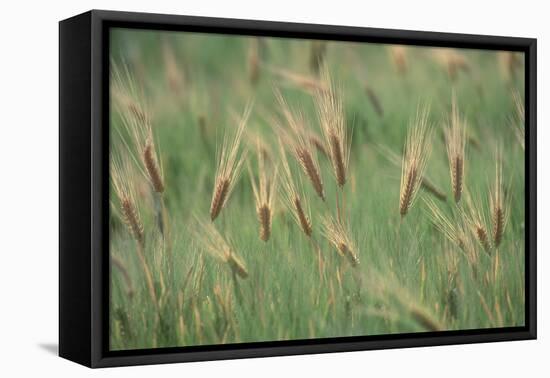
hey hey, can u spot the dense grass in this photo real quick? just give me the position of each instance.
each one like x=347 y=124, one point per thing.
x=410 y=277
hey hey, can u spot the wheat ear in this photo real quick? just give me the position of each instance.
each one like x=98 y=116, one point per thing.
x=499 y=212
x=338 y=235
x=295 y=136
x=230 y=161
x=456 y=144
x=293 y=198
x=121 y=176
x=415 y=158
x=264 y=192
x=330 y=110
x=212 y=242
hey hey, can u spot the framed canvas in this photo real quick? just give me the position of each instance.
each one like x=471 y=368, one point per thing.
x=236 y=188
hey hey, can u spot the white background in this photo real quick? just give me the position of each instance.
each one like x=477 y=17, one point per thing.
x=29 y=186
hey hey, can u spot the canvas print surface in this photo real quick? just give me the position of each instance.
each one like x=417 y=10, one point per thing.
x=267 y=189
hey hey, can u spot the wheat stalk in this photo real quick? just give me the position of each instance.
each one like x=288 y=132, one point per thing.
x=318 y=143
x=499 y=213
x=306 y=83
x=456 y=145
x=295 y=136
x=415 y=158
x=212 y=242
x=230 y=161
x=339 y=236
x=136 y=120
x=454 y=232
x=293 y=198
x=330 y=110
x=519 y=121
x=264 y=192
x=425 y=319
x=426 y=184
x=121 y=176
x=476 y=218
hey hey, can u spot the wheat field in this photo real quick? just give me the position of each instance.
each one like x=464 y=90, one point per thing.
x=270 y=189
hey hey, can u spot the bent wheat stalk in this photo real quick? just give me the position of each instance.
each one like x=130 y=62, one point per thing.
x=303 y=82
x=339 y=236
x=212 y=242
x=452 y=231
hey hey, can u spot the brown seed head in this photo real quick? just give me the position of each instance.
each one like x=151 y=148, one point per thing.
x=152 y=167
x=221 y=190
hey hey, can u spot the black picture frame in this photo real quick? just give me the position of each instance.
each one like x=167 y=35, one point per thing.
x=83 y=182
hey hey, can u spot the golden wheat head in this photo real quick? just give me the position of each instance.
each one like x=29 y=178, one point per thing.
x=230 y=161
x=137 y=121
x=212 y=242
x=264 y=193
x=333 y=125
x=293 y=198
x=427 y=184
x=296 y=137
x=476 y=218
x=452 y=231
x=499 y=210
x=456 y=145
x=121 y=178
x=415 y=157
